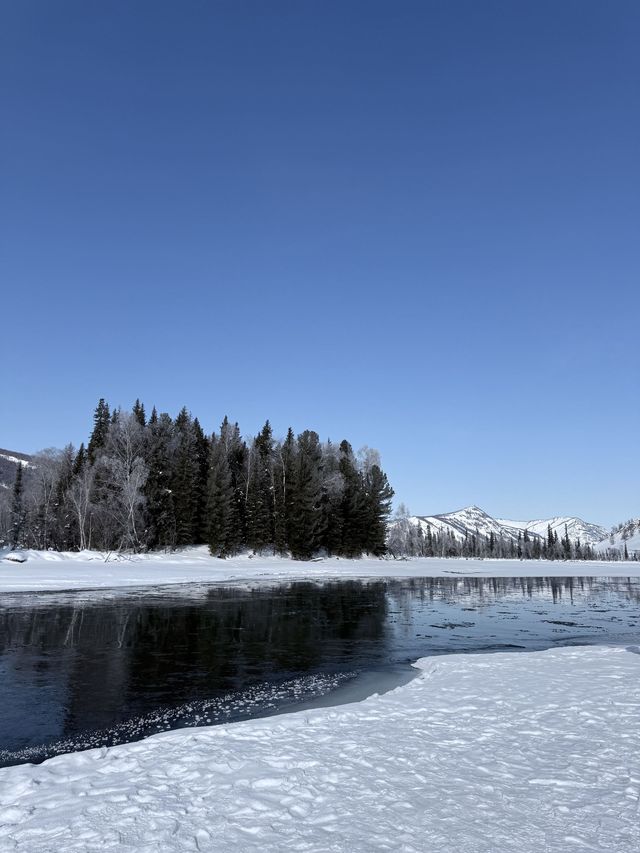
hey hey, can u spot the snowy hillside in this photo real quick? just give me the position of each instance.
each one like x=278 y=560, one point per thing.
x=9 y=461
x=474 y=520
x=626 y=534
x=577 y=528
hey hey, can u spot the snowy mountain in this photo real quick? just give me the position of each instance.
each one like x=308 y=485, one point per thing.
x=474 y=520
x=465 y=521
x=9 y=461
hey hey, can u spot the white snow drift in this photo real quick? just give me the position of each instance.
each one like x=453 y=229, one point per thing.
x=493 y=753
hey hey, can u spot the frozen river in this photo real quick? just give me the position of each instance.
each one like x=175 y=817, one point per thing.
x=79 y=671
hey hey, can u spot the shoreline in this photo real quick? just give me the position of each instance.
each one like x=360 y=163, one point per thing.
x=89 y=571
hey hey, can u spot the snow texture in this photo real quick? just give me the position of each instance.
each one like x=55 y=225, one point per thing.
x=479 y=754
x=55 y=570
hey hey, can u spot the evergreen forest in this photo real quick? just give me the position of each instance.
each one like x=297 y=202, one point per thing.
x=151 y=483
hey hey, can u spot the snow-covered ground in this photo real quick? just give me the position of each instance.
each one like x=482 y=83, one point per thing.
x=49 y=570
x=495 y=753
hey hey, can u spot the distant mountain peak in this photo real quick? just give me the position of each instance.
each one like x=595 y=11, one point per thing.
x=472 y=509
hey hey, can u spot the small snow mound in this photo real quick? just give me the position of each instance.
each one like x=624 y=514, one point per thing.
x=16 y=557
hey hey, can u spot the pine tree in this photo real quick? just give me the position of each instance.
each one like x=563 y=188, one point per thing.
x=202 y=468
x=284 y=456
x=536 y=548
x=550 y=549
x=80 y=460
x=353 y=505
x=526 y=545
x=473 y=545
x=101 y=421
x=260 y=493
x=430 y=547
x=566 y=544
x=305 y=532
x=139 y=414
x=379 y=494
x=160 y=512
x=185 y=481
x=236 y=452
x=18 y=515
x=219 y=500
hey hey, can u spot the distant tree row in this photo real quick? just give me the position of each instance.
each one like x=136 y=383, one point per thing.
x=161 y=483
x=406 y=538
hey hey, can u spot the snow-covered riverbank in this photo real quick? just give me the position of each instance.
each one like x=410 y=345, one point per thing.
x=48 y=570
x=502 y=752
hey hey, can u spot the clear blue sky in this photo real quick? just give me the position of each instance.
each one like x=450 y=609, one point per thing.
x=412 y=224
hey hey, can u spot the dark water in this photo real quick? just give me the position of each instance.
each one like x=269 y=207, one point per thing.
x=76 y=672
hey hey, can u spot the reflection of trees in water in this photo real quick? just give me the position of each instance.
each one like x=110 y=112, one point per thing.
x=477 y=592
x=235 y=639
x=119 y=659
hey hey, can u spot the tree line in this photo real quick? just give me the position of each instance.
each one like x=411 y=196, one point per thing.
x=161 y=483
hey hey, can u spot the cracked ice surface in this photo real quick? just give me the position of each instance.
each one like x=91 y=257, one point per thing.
x=531 y=752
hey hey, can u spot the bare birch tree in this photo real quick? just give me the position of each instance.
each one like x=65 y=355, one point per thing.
x=123 y=459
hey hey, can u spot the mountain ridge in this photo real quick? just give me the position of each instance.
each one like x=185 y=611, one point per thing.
x=473 y=520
